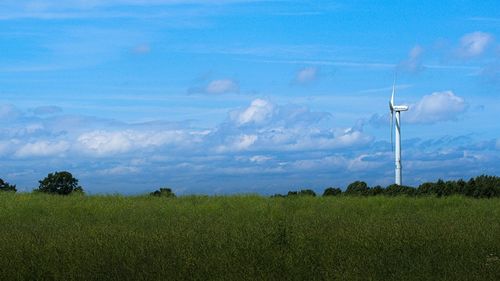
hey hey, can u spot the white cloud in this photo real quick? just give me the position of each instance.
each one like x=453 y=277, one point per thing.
x=42 y=148
x=120 y=170
x=258 y=112
x=350 y=138
x=414 y=61
x=222 y=86
x=279 y=141
x=360 y=163
x=474 y=44
x=103 y=143
x=306 y=75
x=260 y=159
x=439 y=106
x=239 y=143
x=244 y=142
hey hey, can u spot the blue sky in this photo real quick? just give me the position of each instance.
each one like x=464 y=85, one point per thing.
x=241 y=96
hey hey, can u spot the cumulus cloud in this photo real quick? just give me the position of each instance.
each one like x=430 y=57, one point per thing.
x=258 y=112
x=474 y=44
x=238 y=143
x=414 y=62
x=103 y=143
x=286 y=128
x=262 y=138
x=436 y=107
x=306 y=75
x=42 y=149
x=260 y=159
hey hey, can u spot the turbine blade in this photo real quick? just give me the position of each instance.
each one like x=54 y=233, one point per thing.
x=393 y=92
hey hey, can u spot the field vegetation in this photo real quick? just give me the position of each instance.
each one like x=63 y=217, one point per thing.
x=78 y=237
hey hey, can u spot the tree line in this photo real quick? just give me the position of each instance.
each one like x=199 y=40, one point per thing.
x=63 y=183
x=484 y=186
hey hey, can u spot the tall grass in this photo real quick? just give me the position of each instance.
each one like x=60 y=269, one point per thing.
x=45 y=237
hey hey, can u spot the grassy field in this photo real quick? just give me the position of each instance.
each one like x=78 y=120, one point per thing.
x=45 y=237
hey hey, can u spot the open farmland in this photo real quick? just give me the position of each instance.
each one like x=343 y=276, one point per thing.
x=45 y=237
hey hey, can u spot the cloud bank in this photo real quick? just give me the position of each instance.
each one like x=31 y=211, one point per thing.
x=437 y=107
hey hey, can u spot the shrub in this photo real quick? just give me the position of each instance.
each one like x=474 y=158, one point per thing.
x=163 y=192
x=62 y=183
x=332 y=191
x=5 y=186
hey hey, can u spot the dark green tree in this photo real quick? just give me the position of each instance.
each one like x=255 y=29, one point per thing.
x=163 y=192
x=332 y=191
x=397 y=190
x=307 y=192
x=426 y=188
x=357 y=188
x=5 y=186
x=62 y=183
x=486 y=186
x=376 y=190
x=440 y=188
x=470 y=187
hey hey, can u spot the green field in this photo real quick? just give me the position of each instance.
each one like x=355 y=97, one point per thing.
x=45 y=237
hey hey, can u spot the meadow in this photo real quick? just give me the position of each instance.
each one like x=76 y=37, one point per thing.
x=50 y=237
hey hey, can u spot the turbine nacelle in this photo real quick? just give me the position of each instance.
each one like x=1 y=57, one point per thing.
x=399 y=107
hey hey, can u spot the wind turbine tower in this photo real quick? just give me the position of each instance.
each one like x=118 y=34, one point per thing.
x=397 y=149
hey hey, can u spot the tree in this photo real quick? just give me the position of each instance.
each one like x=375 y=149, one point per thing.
x=357 y=188
x=332 y=191
x=303 y=192
x=396 y=190
x=5 y=186
x=163 y=192
x=376 y=190
x=486 y=186
x=426 y=188
x=307 y=192
x=62 y=183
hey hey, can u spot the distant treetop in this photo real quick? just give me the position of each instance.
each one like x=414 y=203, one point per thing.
x=62 y=183
x=5 y=186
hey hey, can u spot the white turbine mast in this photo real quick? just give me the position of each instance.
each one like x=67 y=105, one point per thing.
x=397 y=149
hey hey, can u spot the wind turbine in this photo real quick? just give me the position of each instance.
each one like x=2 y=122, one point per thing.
x=397 y=150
